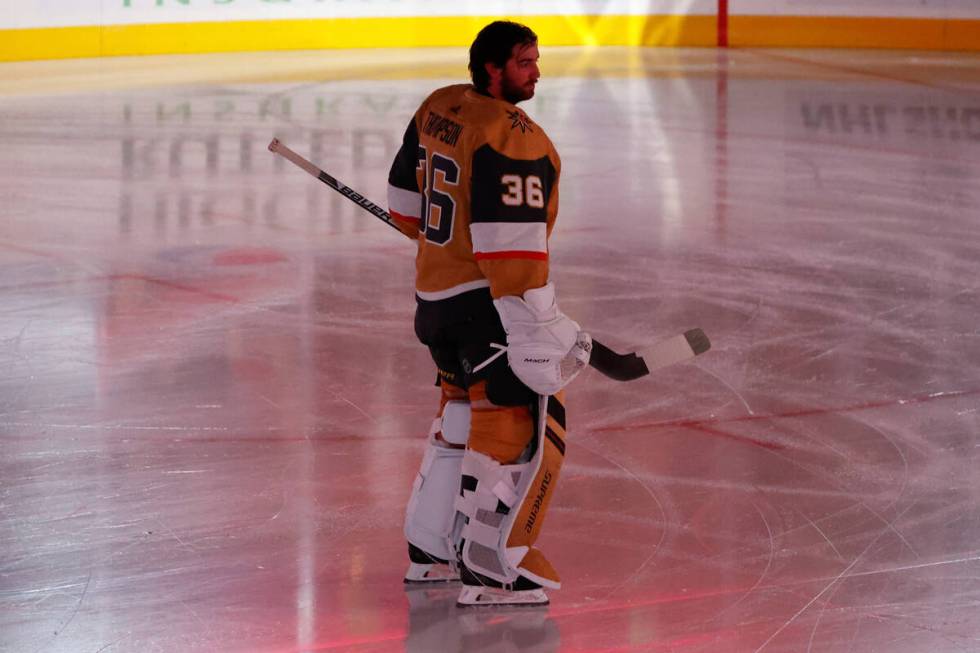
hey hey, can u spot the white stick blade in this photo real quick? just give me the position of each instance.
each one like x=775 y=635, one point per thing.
x=668 y=352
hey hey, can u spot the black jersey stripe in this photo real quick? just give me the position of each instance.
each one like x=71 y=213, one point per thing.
x=494 y=200
x=402 y=173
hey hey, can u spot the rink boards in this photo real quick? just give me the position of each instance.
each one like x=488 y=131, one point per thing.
x=46 y=29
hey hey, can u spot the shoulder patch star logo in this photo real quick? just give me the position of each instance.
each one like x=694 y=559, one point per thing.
x=519 y=119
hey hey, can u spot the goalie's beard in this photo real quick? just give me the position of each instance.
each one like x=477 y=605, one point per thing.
x=515 y=93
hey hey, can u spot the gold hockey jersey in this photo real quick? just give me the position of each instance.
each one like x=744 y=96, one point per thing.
x=475 y=182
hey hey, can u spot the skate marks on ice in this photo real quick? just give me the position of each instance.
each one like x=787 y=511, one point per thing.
x=213 y=396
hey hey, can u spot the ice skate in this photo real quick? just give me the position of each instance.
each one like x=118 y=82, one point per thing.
x=479 y=590
x=476 y=595
x=430 y=573
x=424 y=568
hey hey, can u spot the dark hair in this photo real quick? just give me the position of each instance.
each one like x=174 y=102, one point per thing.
x=494 y=44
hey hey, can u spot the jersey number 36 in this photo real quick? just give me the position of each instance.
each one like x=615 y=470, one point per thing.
x=521 y=191
x=438 y=206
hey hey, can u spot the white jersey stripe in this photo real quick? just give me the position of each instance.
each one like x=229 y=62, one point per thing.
x=452 y=292
x=404 y=202
x=491 y=237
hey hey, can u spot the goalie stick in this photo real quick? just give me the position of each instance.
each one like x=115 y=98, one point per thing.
x=619 y=367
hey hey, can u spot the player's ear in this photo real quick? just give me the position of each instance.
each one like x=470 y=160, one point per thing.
x=493 y=70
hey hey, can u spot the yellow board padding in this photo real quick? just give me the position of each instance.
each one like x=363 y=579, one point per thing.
x=50 y=43
x=841 y=32
x=411 y=32
x=343 y=33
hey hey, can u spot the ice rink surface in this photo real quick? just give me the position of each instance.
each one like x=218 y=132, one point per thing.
x=212 y=404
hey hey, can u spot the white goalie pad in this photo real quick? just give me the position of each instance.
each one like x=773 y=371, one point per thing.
x=499 y=489
x=430 y=513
